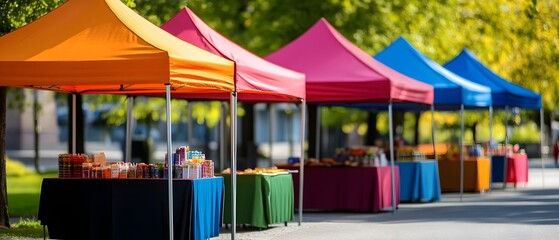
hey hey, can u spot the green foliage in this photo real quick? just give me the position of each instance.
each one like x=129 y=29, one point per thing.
x=15 y=168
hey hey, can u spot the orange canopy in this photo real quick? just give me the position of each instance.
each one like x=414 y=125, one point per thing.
x=102 y=46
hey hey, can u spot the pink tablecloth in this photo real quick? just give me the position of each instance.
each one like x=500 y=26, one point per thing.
x=347 y=188
x=517 y=168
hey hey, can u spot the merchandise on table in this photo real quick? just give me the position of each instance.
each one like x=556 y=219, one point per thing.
x=408 y=153
x=185 y=165
x=369 y=156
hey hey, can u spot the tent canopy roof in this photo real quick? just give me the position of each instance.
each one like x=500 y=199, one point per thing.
x=102 y=46
x=450 y=89
x=256 y=78
x=503 y=92
x=339 y=72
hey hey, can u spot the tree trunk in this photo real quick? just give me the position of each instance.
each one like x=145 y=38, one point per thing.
x=79 y=124
x=474 y=137
x=416 y=129
x=247 y=150
x=4 y=217
x=372 y=131
x=312 y=110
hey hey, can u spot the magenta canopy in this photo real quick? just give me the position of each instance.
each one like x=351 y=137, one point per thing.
x=256 y=78
x=339 y=72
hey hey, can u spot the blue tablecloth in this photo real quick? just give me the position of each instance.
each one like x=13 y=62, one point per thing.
x=419 y=181
x=497 y=168
x=207 y=212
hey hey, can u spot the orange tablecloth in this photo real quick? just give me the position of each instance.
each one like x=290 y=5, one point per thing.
x=476 y=175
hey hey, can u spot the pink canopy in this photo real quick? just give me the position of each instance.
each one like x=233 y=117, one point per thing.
x=339 y=72
x=256 y=78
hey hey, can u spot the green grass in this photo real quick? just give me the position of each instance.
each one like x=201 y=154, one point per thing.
x=24 y=229
x=24 y=192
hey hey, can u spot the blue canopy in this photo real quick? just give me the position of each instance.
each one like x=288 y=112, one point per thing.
x=503 y=92
x=451 y=90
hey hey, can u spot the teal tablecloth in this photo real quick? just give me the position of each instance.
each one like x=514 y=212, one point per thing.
x=419 y=181
x=261 y=199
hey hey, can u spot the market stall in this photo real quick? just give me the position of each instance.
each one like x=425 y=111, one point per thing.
x=505 y=95
x=102 y=46
x=419 y=181
x=516 y=169
x=256 y=80
x=262 y=199
x=119 y=208
x=349 y=188
x=452 y=92
x=339 y=72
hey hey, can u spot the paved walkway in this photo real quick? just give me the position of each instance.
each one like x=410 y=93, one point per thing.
x=527 y=212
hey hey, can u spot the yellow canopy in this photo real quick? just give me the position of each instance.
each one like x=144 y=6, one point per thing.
x=102 y=46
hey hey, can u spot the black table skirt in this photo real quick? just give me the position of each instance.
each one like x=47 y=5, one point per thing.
x=117 y=208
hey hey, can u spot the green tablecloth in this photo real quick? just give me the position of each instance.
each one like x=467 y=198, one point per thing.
x=261 y=199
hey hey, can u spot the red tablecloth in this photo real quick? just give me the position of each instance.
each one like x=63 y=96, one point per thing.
x=347 y=188
x=517 y=168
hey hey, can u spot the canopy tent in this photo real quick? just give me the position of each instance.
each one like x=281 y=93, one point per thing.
x=339 y=72
x=256 y=79
x=102 y=46
x=451 y=90
x=504 y=93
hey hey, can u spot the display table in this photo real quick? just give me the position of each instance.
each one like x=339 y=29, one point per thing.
x=262 y=199
x=419 y=181
x=130 y=208
x=347 y=188
x=517 y=168
x=476 y=175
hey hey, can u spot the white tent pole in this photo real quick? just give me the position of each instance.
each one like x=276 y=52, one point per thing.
x=221 y=136
x=128 y=140
x=489 y=147
x=433 y=132
x=461 y=151
x=391 y=139
x=317 y=134
x=169 y=159
x=541 y=142
x=271 y=126
x=74 y=107
x=190 y=125
x=505 y=163
x=233 y=164
x=301 y=165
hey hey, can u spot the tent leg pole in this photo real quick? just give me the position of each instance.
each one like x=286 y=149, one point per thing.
x=271 y=116
x=489 y=148
x=233 y=164
x=433 y=132
x=461 y=151
x=128 y=141
x=74 y=107
x=169 y=159
x=505 y=163
x=302 y=166
x=391 y=139
x=221 y=136
x=542 y=128
x=318 y=140
x=190 y=125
